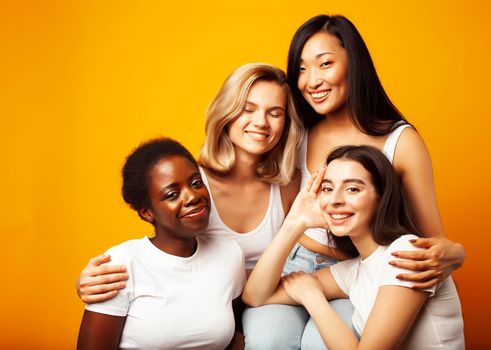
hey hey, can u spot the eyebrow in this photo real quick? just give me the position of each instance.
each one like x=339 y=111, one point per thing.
x=174 y=184
x=358 y=181
x=320 y=55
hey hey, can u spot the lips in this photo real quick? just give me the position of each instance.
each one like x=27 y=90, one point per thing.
x=257 y=135
x=320 y=96
x=196 y=213
x=338 y=218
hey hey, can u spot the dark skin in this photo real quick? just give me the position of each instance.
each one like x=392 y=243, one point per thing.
x=179 y=207
x=100 y=331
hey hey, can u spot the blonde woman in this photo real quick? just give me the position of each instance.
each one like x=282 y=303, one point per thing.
x=248 y=164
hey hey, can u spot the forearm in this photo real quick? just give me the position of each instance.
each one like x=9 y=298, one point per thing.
x=334 y=332
x=266 y=275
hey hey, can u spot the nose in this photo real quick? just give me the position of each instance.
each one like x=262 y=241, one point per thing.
x=190 y=196
x=314 y=79
x=337 y=197
x=259 y=119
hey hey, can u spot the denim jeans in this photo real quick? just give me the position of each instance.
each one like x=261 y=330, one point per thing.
x=285 y=327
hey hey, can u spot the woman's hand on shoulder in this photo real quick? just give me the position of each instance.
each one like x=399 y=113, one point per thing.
x=439 y=258
x=99 y=282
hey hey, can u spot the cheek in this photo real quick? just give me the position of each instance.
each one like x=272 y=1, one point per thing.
x=323 y=200
x=337 y=77
x=278 y=125
x=203 y=192
x=301 y=82
x=235 y=126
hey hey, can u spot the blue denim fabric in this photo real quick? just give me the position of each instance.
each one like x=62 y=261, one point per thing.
x=302 y=259
x=286 y=327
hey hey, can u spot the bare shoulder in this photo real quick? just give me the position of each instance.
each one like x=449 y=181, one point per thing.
x=290 y=191
x=411 y=151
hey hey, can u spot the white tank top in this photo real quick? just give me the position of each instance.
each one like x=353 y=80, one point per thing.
x=255 y=242
x=319 y=234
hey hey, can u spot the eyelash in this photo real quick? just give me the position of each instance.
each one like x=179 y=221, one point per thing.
x=349 y=189
x=197 y=183
x=170 y=196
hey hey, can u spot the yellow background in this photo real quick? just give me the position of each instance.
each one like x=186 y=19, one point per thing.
x=83 y=82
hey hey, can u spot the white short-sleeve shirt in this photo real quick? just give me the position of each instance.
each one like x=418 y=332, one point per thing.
x=172 y=302
x=439 y=324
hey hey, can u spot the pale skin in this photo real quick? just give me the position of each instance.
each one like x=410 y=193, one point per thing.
x=237 y=194
x=324 y=70
x=384 y=329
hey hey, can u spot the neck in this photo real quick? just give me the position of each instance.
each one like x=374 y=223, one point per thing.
x=183 y=247
x=245 y=167
x=364 y=243
x=340 y=118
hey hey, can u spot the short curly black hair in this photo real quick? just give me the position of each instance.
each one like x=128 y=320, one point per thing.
x=139 y=164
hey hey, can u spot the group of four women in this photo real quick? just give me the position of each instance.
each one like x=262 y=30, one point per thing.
x=261 y=181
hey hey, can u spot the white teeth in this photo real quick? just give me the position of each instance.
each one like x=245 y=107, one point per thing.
x=340 y=216
x=256 y=135
x=319 y=95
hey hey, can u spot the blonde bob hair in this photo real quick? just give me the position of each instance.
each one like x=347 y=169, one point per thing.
x=276 y=166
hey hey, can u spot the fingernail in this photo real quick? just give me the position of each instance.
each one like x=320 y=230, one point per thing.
x=399 y=277
x=393 y=263
x=395 y=254
x=412 y=240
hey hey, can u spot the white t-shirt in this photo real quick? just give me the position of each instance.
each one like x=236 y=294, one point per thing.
x=172 y=302
x=439 y=324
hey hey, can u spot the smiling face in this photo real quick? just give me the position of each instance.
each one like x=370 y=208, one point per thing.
x=179 y=201
x=259 y=127
x=348 y=199
x=323 y=73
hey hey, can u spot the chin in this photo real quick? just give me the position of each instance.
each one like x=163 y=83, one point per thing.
x=197 y=227
x=340 y=233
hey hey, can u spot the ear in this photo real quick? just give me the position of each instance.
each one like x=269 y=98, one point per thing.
x=146 y=214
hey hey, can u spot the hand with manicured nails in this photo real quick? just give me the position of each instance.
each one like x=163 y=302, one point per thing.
x=433 y=264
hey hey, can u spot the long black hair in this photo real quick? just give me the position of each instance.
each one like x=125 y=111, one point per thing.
x=371 y=109
x=391 y=219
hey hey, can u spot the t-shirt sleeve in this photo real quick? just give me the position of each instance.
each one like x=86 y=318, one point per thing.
x=117 y=306
x=390 y=272
x=344 y=273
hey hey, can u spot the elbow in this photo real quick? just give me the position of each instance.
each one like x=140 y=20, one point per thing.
x=251 y=300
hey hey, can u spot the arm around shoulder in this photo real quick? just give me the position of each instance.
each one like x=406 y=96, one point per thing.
x=413 y=164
